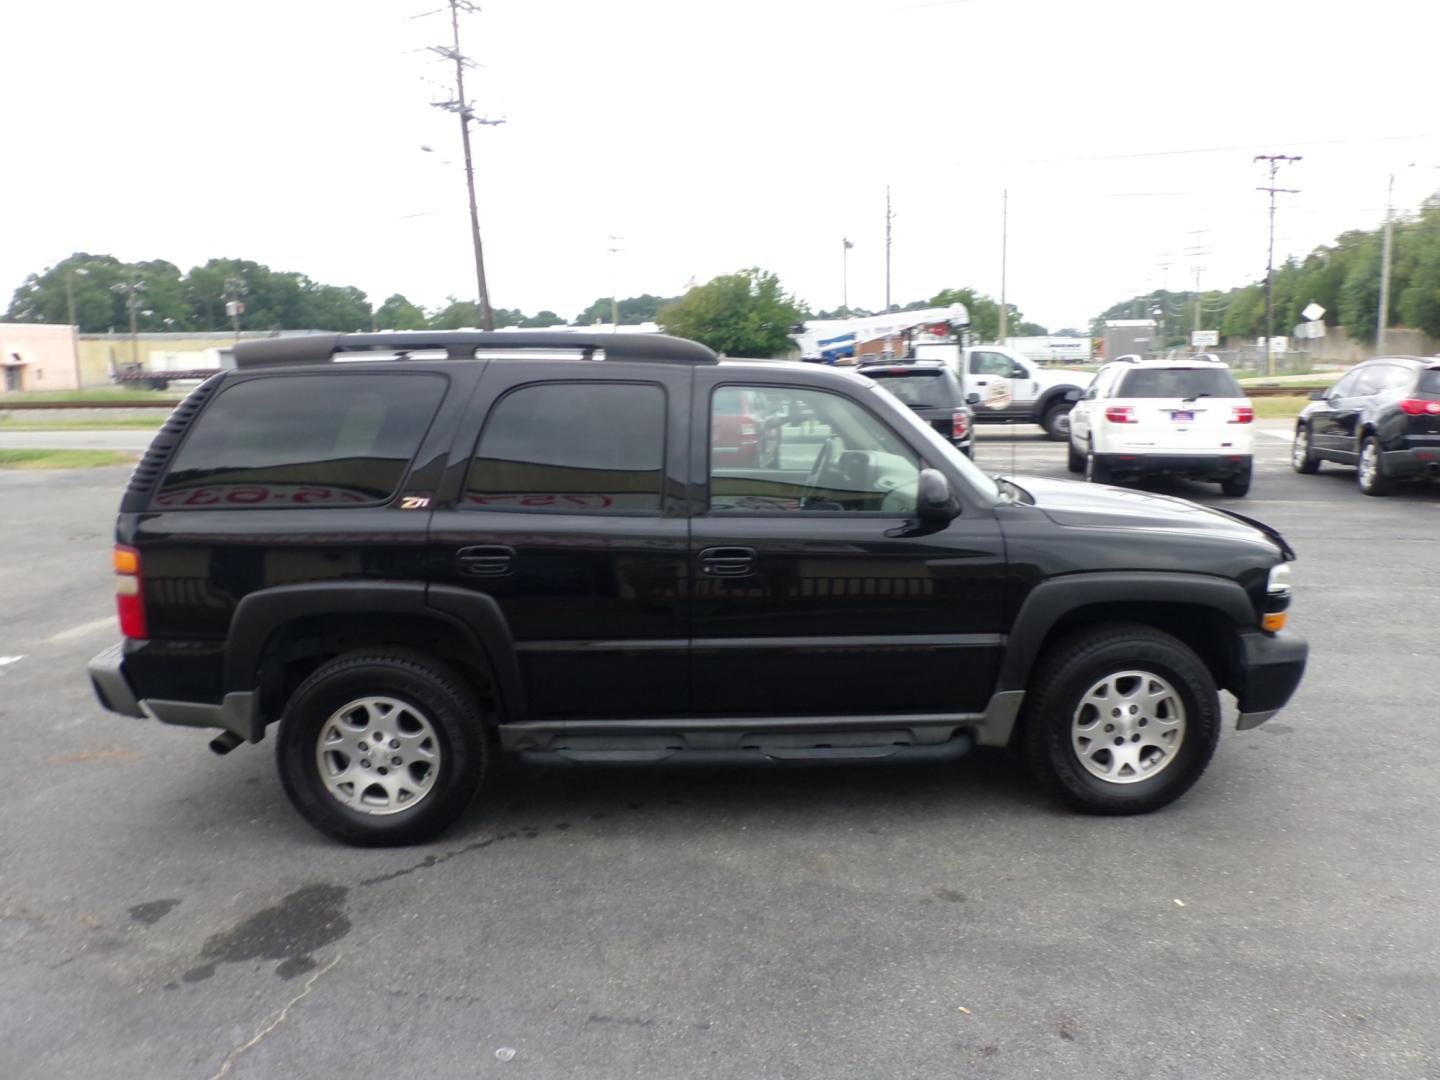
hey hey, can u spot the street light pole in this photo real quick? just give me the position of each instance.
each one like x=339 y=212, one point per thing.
x=1384 y=318
x=1004 y=254
x=845 y=274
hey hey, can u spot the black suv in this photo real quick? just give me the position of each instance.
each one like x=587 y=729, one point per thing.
x=934 y=392
x=1383 y=417
x=545 y=545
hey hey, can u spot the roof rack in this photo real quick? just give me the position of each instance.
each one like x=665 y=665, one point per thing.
x=462 y=345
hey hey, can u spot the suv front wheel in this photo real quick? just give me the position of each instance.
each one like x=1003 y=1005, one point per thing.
x=381 y=748
x=1121 y=719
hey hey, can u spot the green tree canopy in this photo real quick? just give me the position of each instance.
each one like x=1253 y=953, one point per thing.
x=741 y=314
x=633 y=310
x=543 y=318
x=398 y=313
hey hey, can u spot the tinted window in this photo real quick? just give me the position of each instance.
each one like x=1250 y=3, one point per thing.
x=304 y=440
x=1346 y=386
x=925 y=388
x=571 y=447
x=1378 y=377
x=1429 y=382
x=1179 y=383
x=817 y=451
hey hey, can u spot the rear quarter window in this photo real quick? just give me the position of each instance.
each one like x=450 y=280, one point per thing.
x=1429 y=382
x=929 y=389
x=1179 y=383
x=303 y=440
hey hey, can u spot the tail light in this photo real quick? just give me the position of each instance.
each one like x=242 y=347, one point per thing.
x=959 y=423
x=130 y=593
x=1242 y=414
x=1121 y=414
x=1420 y=407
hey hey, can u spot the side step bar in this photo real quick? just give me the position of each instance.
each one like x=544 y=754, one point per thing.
x=950 y=750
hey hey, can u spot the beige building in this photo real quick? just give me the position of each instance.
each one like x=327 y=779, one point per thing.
x=38 y=356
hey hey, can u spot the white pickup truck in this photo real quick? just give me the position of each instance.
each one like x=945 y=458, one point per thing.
x=1012 y=388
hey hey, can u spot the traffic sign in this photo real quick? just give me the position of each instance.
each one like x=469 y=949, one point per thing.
x=1203 y=338
x=1313 y=311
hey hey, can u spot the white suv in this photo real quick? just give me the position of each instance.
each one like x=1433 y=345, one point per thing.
x=1159 y=417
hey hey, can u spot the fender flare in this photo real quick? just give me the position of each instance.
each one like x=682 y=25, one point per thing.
x=1052 y=600
x=475 y=615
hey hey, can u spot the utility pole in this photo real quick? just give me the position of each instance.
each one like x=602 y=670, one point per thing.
x=70 y=311
x=845 y=275
x=1275 y=161
x=131 y=291
x=1194 y=252
x=234 y=306
x=1004 y=254
x=1381 y=325
x=889 y=216
x=461 y=108
x=614 y=284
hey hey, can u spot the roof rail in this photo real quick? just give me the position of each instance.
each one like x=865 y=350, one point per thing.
x=462 y=344
x=1129 y=358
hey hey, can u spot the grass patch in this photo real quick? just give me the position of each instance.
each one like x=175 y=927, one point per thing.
x=104 y=393
x=99 y=423
x=1271 y=408
x=62 y=459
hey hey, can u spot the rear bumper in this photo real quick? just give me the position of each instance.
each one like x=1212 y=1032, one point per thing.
x=1206 y=466
x=1412 y=461
x=1271 y=666
x=237 y=713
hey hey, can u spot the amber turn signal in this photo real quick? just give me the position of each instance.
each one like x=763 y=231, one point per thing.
x=1273 y=622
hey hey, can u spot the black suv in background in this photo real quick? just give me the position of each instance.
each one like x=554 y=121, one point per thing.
x=1383 y=417
x=582 y=550
x=933 y=390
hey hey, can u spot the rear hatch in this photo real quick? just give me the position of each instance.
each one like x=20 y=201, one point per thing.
x=930 y=391
x=1181 y=410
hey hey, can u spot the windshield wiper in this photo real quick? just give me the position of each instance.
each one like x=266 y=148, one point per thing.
x=1195 y=397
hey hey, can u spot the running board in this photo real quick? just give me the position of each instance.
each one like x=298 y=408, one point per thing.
x=932 y=753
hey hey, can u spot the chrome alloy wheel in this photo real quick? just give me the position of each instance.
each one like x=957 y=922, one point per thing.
x=1300 y=448
x=1369 y=465
x=1128 y=727
x=378 y=755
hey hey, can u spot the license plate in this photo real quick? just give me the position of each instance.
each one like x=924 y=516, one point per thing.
x=1182 y=417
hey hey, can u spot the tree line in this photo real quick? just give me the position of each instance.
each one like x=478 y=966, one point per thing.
x=1342 y=276
x=747 y=313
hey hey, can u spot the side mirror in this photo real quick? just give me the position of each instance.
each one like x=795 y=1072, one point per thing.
x=1318 y=395
x=934 y=499
x=972 y=398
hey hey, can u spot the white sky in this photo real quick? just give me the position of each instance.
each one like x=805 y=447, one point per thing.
x=712 y=135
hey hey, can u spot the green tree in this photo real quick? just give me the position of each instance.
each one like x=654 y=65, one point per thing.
x=633 y=310
x=984 y=313
x=456 y=315
x=543 y=318
x=333 y=307
x=1029 y=329
x=398 y=313
x=741 y=314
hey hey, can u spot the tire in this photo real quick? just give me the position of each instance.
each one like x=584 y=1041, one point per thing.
x=1095 y=471
x=1302 y=455
x=1076 y=460
x=1370 y=469
x=436 y=748
x=1066 y=737
x=1239 y=484
x=1056 y=422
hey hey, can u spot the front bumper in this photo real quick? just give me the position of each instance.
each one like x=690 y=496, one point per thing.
x=1271 y=666
x=238 y=713
x=1203 y=466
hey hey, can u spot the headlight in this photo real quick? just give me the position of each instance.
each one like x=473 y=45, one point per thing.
x=1279 y=583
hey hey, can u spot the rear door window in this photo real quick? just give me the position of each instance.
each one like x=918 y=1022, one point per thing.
x=303 y=440
x=923 y=389
x=1179 y=383
x=1429 y=382
x=573 y=448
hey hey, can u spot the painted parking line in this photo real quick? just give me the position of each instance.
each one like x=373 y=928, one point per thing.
x=83 y=630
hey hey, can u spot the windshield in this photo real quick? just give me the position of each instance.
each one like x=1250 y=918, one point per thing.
x=925 y=389
x=940 y=449
x=1179 y=383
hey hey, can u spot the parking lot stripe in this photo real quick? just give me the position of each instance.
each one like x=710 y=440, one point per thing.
x=83 y=630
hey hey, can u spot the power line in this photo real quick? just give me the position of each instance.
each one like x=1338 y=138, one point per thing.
x=1221 y=149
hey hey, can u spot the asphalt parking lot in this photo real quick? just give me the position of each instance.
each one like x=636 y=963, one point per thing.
x=164 y=913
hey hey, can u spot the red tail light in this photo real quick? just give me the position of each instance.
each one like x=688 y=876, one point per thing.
x=1420 y=407
x=130 y=593
x=959 y=424
x=1242 y=414
x=1121 y=414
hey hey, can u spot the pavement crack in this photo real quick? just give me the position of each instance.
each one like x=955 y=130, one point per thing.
x=274 y=1023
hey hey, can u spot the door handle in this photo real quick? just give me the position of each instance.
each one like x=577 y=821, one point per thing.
x=728 y=561
x=490 y=560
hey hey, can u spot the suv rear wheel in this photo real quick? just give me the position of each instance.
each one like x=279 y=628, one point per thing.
x=381 y=748
x=1302 y=457
x=1121 y=719
x=1238 y=484
x=1095 y=470
x=1370 y=471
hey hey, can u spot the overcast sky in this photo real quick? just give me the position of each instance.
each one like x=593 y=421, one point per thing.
x=713 y=136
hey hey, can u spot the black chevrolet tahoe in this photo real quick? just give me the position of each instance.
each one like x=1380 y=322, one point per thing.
x=415 y=552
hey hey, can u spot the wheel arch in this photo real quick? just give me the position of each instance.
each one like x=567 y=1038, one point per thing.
x=279 y=635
